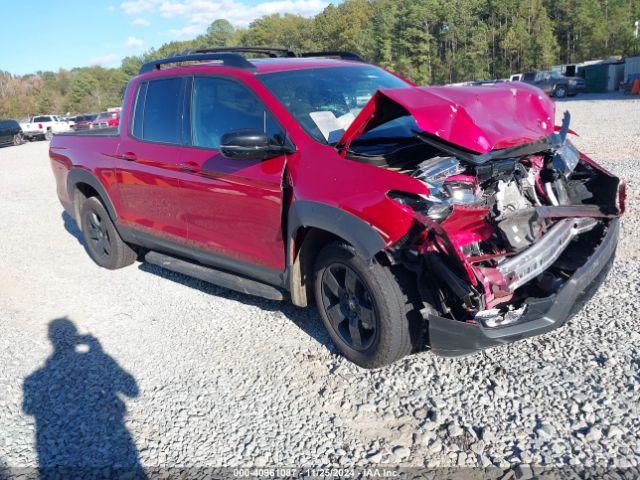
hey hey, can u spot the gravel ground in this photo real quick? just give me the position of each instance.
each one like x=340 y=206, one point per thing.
x=164 y=370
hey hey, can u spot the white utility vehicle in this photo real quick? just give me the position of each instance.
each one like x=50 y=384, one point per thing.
x=43 y=127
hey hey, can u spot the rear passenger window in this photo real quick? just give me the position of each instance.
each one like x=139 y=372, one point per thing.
x=220 y=106
x=138 y=111
x=157 y=112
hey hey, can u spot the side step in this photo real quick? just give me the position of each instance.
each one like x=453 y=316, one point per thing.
x=217 y=277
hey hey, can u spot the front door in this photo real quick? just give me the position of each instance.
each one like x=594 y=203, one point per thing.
x=6 y=134
x=233 y=208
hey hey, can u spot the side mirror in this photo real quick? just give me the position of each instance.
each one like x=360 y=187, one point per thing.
x=250 y=144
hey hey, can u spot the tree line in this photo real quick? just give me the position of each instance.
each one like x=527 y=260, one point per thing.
x=427 y=41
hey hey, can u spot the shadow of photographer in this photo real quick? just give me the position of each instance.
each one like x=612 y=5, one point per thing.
x=78 y=412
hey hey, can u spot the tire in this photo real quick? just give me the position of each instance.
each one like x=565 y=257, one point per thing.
x=102 y=241
x=17 y=139
x=48 y=135
x=369 y=325
x=560 y=91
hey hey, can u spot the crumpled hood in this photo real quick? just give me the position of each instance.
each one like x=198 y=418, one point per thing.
x=479 y=119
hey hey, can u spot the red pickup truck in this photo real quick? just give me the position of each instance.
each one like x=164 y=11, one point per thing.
x=453 y=219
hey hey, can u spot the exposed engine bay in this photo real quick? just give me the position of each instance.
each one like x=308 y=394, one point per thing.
x=498 y=230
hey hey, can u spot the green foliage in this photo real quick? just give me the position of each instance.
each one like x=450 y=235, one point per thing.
x=427 y=41
x=285 y=31
x=219 y=34
x=345 y=26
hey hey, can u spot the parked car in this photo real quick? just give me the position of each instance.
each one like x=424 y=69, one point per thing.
x=10 y=133
x=84 y=121
x=71 y=120
x=106 y=120
x=516 y=77
x=42 y=127
x=453 y=218
x=554 y=84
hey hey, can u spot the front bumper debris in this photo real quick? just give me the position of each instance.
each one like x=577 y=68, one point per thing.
x=451 y=338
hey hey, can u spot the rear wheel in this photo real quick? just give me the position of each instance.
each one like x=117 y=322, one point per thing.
x=17 y=139
x=103 y=243
x=48 y=135
x=363 y=307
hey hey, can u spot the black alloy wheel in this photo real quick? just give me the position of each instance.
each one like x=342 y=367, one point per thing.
x=100 y=241
x=349 y=307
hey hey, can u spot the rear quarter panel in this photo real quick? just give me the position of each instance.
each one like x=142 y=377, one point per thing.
x=93 y=153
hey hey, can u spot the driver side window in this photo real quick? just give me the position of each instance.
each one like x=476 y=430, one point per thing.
x=220 y=106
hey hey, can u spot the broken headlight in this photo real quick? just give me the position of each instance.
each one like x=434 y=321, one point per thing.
x=442 y=177
x=566 y=158
x=434 y=171
x=432 y=207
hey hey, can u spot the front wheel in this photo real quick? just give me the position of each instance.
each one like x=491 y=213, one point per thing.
x=48 y=135
x=102 y=240
x=560 y=91
x=364 y=307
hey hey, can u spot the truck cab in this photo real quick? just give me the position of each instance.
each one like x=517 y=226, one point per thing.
x=554 y=83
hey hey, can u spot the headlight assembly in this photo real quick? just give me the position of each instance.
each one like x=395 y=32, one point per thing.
x=432 y=207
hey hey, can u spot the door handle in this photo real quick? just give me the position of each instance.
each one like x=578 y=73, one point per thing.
x=191 y=167
x=129 y=156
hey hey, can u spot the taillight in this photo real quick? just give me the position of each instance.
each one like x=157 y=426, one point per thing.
x=622 y=196
x=40 y=125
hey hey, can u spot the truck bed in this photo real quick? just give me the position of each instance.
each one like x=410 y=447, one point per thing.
x=100 y=132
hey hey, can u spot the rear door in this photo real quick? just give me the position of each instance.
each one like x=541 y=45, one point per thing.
x=233 y=207
x=147 y=161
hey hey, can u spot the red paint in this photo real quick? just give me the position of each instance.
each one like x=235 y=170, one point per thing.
x=464 y=116
x=235 y=208
x=106 y=120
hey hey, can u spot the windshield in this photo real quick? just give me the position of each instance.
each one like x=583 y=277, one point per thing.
x=326 y=100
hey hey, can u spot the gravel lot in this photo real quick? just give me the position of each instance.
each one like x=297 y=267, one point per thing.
x=182 y=373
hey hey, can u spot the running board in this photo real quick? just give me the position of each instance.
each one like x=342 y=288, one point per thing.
x=217 y=277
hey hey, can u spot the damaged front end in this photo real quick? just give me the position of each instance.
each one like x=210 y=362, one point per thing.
x=508 y=239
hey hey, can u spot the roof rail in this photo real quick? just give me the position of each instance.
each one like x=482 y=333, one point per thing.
x=272 y=52
x=333 y=53
x=228 y=60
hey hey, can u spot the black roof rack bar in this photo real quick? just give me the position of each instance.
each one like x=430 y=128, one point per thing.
x=228 y=60
x=270 y=51
x=333 y=53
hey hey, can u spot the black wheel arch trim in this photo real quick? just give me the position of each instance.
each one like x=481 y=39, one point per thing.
x=308 y=214
x=79 y=175
x=364 y=238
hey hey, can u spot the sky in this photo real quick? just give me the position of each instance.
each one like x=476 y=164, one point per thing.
x=54 y=34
